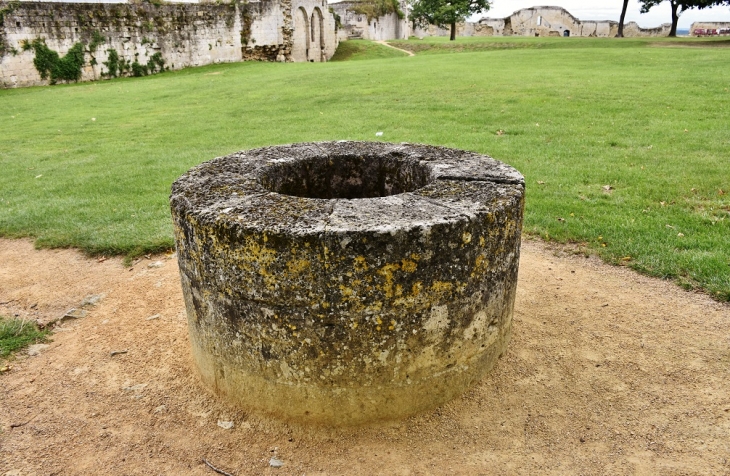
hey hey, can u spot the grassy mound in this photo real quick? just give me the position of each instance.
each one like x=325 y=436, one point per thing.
x=353 y=50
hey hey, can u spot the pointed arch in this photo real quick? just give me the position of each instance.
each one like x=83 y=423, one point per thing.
x=301 y=37
x=317 y=26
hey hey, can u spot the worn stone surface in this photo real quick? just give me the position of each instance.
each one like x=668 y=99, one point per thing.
x=347 y=282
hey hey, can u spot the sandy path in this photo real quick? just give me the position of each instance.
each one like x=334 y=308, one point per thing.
x=384 y=43
x=608 y=372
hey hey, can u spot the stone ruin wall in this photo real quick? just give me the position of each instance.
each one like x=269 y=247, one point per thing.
x=184 y=34
x=357 y=25
x=633 y=30
x=544 y=21
x=312 y=30
x=462 y=29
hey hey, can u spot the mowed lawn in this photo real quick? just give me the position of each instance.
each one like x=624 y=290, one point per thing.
x=625 y=145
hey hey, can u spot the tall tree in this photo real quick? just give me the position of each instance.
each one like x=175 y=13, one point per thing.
x=445 y=12
x=679 y=7
x=621 y=21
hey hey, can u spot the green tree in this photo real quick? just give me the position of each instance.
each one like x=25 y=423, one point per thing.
x=679 y=7
x=378 y=8
x=445 y=12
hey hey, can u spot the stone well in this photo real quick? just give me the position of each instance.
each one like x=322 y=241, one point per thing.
x=347 y=282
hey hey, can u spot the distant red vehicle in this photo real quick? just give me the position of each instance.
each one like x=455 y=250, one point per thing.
x=710 y=32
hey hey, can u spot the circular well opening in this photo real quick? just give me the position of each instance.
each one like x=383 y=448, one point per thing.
x=347 y=177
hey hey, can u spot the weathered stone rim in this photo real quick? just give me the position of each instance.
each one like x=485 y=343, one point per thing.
x=350 y=177
x=239 y=185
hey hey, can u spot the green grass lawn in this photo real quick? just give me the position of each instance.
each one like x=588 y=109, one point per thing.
x=364 y=50
x=17 y=334
x=441 y=44
x=624 y=145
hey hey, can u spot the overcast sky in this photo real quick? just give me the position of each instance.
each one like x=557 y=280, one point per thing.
x=611 y=10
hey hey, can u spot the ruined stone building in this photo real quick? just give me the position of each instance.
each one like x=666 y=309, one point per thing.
x=357 y=24
x=545 y=21
x=134 y=39
x=557 y=21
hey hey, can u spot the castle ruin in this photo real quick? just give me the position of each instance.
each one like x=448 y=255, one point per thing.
x=544 y=21
x=358 y=24
x=137 y=38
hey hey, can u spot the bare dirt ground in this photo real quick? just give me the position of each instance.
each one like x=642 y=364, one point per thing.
x=706 y=43
x=608 y=372
x=380 y=42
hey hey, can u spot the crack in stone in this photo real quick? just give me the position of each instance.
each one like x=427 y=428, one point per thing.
x=496 y=180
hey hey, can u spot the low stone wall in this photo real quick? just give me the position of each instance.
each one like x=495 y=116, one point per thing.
x=176 y=35
x=462 y=29
x=633 y=30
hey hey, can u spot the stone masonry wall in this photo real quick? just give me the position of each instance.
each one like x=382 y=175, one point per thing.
x=183 y=34
x=357 y=25
x=462 y=29
x=633 y=30
x=544 y=21
x=554 y=21
x=314 y=26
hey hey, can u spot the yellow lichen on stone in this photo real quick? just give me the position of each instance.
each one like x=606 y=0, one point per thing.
x=481 y=264
x=374 y=307
x=408 y=266
x=360 y=264
x=441 y=287
x=466 y=237
x=387 y=273
x=297 y=266
x=259 y=256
